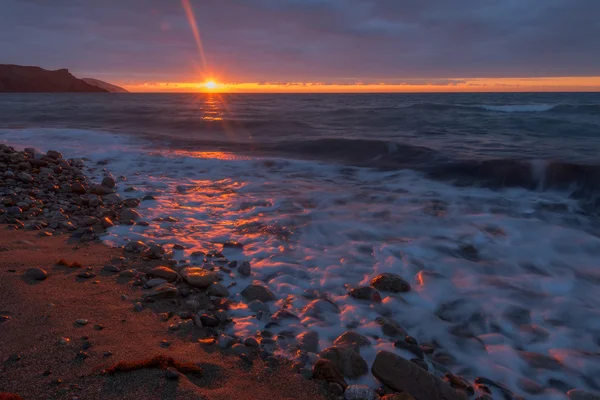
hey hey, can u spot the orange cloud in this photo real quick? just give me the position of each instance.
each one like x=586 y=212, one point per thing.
x=547 y=84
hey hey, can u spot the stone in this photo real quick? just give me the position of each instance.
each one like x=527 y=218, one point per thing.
x=402 y=375
x=281 y=315
x=81 y=321
x=352 y=340
x=172 y=374
x=130 y=215
x=399 y=396
x=251 y=342
x=258 y=292
x=209 y=320
x=199 y=277
x=77 y=188
x=135 y=247
x=162 y=290
x=37 y=274
x=335 y=388
x=244 y=269
x=308 y=341
x=108 y=182
x=360 y=392
x=89 y=221
x=163 y=272
x=349 y=362
x=391 y=328
x=106 y=223
x=25 y=177
x=326 y=370
x=578 y=394
x=155 y=282
x=53 y=154
x=217 y=290
x=365 y=293
x=86 y=274
x=388 y=282
x=320 y=307
x=111 y=268
x=226 y=341
x=100 y=190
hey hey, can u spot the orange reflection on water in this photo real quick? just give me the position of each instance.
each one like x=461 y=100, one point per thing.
x=214 y=155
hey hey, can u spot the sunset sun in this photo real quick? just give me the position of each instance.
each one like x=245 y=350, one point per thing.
x=210 y=85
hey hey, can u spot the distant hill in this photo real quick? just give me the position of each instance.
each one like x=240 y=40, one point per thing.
x=19 y=79
x=105 y=85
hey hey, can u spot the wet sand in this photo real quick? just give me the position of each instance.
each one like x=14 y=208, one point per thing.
x=36 y=363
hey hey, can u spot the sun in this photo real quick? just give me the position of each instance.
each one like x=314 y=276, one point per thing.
x=210 y=85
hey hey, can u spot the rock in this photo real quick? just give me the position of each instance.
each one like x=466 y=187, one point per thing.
x=335 y=388
x=89 y=221
x=578 y=394
x=320 y=307
x=226 y=341
x=281 y=315
x=251 y=342
x=308 y=341
x=541 y=361
x=86 y=274
x=232 y=244
x=37 y=274
x=402 y=375
x=199 y=277
x=209 y=320
x=81 y=322
x=163 y=272
x=349 y=362
x=155 y=282
x=100 y=190
x=365 y=293
x=217 y=290
x=258 y=292
x=111 y=268
x=53 y=154
x=130 y=215
x=162 y=290
x=77 y=188
x=24 y=177
x=135 y=247
x=106 y=223
x=352 y=340
x=108 y=182
x=360 y=392
x=172 y=374
x=388 y=282
x=326 y=370
x=244 y=269
x=257 y=305
x=399 y=396
x=391 y=328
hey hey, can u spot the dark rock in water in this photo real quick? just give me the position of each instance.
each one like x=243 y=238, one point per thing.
x=404 y=376
x=411 y=340
x=325 y=370
x=347 y=360
x=401 y=344
x=360 y=392
x=130 y=215
x=517 y=315
x=108 y=182
x=542 y=361
x=258 y=292
x=217 y=290
x=284 y=314
x=420 y=363
x=244 y=269
x=578 y=394
x=388 y=282
x=232 y=244
x=161 y=291
x=171 y=373
x=199 y=277
x=251 y=342
x=391 y=328
x=308 y=341
x=37 y=274
x=320 y=307
x=209 y=320
x=459 y=383
x=352 y=340
x=335 y=388
x=53 y=154
x=365 y=293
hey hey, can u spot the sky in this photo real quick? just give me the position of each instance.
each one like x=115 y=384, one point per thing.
x=311 y=45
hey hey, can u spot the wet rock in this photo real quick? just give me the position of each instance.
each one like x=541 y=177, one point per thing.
x=391 y=328
x=217 y=290
x=281 y=315
x=578 y=394
x=155 y=282
x=388 y=282
x=37 y=274
x=517 y=315
x=257 y=305
x=398 y=396
x=135 y=247
x=53 y=154
x=25 y=177
x=258 y=292
x=421 y=363
x=352 y=340
x=347 y=360
x=226 y=341
x=198 y=277
x=319 y=308
x=172 y=374
x=81 y=321
x=209 y=320
x=308 y=341
x=106 y=222
x=459 y=383
x=251 y=342
x=244 y=269
x=130 y=215
x=163 y=272
x=100 y=190
x=401 y=344
x=335 y=388
x=326 y=370
x=542 y=361
x=108 y=182
x=86 y=274
x=360 y=392
x=402 y=375
x=365 y=293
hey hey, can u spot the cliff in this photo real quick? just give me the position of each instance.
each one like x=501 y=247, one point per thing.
x=17 y=78
x=105 y=85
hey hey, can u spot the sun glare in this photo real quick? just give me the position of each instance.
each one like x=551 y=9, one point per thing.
x=210 y=85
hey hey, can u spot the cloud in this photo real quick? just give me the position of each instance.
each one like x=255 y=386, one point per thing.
x=336 y=41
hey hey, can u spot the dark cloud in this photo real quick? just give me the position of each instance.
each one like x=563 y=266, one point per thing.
x=338 y=41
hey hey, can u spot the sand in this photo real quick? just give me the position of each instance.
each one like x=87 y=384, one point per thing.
x=41 y=313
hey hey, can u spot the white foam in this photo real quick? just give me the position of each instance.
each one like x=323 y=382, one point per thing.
x=307 y=225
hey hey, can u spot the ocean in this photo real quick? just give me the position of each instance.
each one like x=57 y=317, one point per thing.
x=488 y=204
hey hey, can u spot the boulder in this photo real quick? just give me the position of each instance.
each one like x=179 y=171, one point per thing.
x=199 y=277
x=403 y=375
x=366 y=293
x=258 y=292
x=308 y=341
x=349 y=362
x=391 y=328
x=388 y=282
x=37 y=274
x=360 y=392
x=326 y=370
x=163 y=272
x=352 y=340
x=130 y=215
